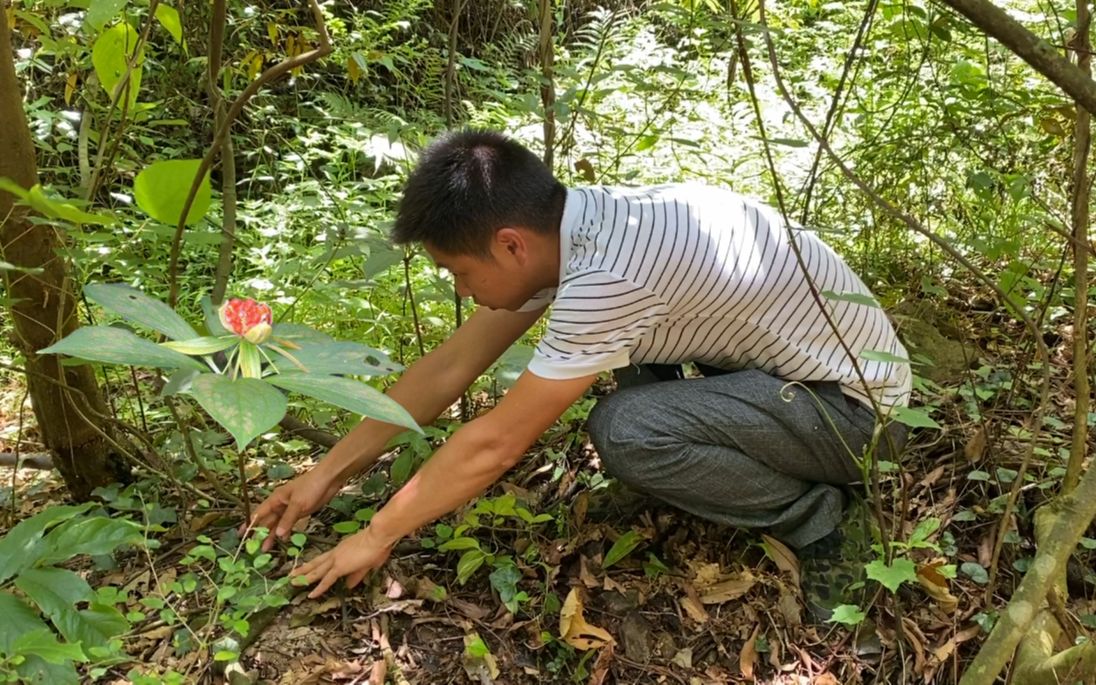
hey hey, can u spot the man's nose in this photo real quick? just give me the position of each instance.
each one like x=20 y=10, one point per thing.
x=462 y=290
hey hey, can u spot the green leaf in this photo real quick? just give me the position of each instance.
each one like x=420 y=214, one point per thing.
x=51 y=207
x=975 y=572
x=56 y=591
x=8 y=266
x=512 y=364
x=109 y=56
x=247 y=407
x=915 y=418
x=136 y=307
x=102 y=11
x=380 y=260
x=42 y=643
x=401 y=468
x=505 y=580
x=202 y=346
x=21 y=547
x=345 y=358
x=924 y=530
x=118 y=346
x=469 y=563
x=847 y=614
x=346 y=527
x=296 y=333
x=93 y=536
x=169 y=19
x=212 y=320
x=621 y=548
x=18 y=620
x=161 y=190
x=854 y=298
x=249 y=361
x=475 y=647
x=879 y=356
x=789 y=142
x=892 y=576
x=349 y=394
x=459 y=543
x=179 y=382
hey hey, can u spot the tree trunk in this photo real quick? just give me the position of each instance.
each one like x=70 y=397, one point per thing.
x=43 y=309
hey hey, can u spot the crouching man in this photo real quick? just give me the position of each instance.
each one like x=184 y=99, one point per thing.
x=638 y=281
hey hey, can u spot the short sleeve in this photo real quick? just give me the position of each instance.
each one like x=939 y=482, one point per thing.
x=597 y=319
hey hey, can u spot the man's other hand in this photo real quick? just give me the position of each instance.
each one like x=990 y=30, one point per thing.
x=353 y=558
x=298 y=498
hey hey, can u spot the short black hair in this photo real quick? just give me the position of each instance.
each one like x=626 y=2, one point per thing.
x=469 y=184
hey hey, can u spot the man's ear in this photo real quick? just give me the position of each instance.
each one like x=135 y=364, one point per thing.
x=514 y=243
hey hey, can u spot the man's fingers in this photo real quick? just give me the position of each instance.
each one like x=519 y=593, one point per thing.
x=327 y=582
x=289 y=517
x=265 y=514
x=353 y=579
x=312 y=566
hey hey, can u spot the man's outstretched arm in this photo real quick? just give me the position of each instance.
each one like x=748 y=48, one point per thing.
x=475 y=457
x=426 y=389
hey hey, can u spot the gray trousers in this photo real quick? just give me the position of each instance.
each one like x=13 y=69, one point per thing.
x=744 y=448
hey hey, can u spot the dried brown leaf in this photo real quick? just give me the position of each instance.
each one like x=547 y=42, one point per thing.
x=936 y=586
x=601 y=666
x=584 y=575
x=747 y=658
x=574 y=629
x=782 y=556
x=945 y=650
x=692 y=605
x=684 y=657
x=788 y=606
x=976 y=446
x=726 y=590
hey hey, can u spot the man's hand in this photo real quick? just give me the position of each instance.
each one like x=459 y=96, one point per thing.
x=354 y=557
x=299 y=497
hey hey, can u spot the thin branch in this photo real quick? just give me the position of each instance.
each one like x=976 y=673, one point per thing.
x=411 y=299
x=274 y=72
x=547 y=80
x=121 y=90
x=835 y=105
x=1029 y=47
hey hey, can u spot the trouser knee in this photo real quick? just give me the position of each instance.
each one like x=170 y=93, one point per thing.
x=617 y=438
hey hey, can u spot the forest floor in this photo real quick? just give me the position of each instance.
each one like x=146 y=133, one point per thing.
x=691 y=602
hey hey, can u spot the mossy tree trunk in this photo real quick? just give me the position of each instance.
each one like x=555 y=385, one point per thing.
x=43 y=309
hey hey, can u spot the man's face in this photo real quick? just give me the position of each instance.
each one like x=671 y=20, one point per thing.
x=496 y=281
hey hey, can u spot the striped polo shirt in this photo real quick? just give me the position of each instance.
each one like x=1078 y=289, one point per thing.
x=689 y=273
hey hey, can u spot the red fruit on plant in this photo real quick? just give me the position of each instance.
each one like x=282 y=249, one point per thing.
x=247 y=318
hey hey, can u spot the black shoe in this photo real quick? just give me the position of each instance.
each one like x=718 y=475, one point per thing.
x=616 y=502
x=832 y=568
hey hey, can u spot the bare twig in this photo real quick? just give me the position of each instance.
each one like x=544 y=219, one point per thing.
x=121 y=90
x=228 y=154
x=411 y=299
x=274 y=72
x=547 y=79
